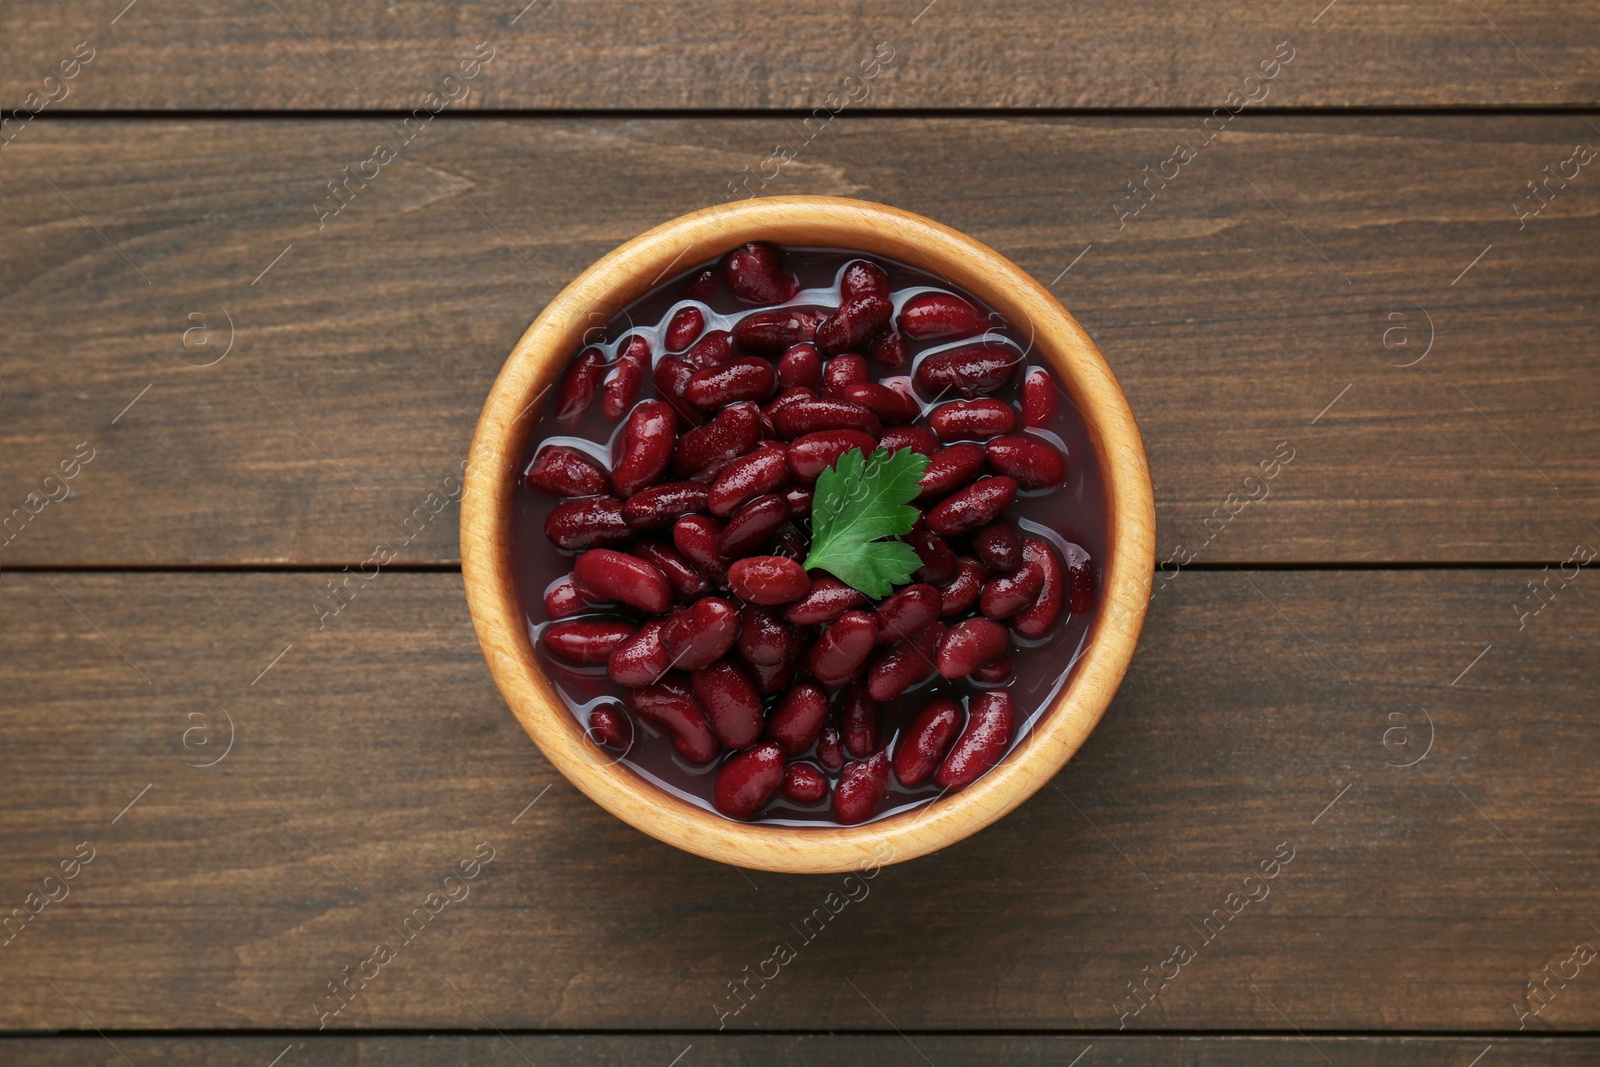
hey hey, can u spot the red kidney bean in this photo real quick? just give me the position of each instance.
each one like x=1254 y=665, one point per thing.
x=763 y=471
x=664 y=504
x=939 y=564
x=904 y=663
x=969 y=645
x=775 y=677
x=977 y=504
x=814 y=453
x=998 y=546
x=579 y=383
x=828 y=599
x=702 y=286
x=830 y=748
x=626 y=579
x=1080 y=583
x=982 y=743
x=768 y=579
x=972 y=419
x=756 y=274
x=858 y=721
x=671 y=704
x=622 y=384
x=963 y=592
x=642 y=659
x=770 y=332
x=1038 y=399
x=841 y=372
x=890 y=405
x=941 y=316
x=804 y=784
x=562 y=599
x=1036 y=619
x=907 y=611
x=842 y=649
x=811 y=416
x=864 y=308
x=731 y=703
x=950 y=468
x=742 y=379
x=685 y=328
x=1006 y=594
x=764 y=638
x=801 y=366
x=1031 y=461
x=923 y=744
x=799 y=498
x=857 y=321
x=917 y=438
x=563 y=471
x=715 y=349
x=753 y=525
x=586 y=643
x=789 y=396
x=998 y=671
x=586 y=522
x=798 y=718
x=707 y=449
x=672 y=378
x=862 y=789
x=644 y=450
x=701 y=633
x=687 y=583
x=972 y=371
x=889 y=349
x=609 y=725
x=696 y=537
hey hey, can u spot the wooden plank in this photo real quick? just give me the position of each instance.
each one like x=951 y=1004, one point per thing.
x=768 y=54
x=707 y=1050
x=1263 y=305
x=372 y=757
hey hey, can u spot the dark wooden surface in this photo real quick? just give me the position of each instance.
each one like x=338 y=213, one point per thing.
x=559 y=54
x=249 y=400
x=360 y=359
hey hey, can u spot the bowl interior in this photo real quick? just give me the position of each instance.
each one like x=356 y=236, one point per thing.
x=584 y=308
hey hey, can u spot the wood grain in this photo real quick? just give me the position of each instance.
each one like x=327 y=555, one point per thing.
x=373 y=756
x=1261 y=305
x=768 y=54
x=712 y=1050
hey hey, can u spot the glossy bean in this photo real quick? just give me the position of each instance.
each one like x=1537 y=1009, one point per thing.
x=756 y=274
x=1006 y=594
x=752 y=526
x=888 y=349
x=904 y=664
x=907 y=611
x=730 y=701
x=969 y=645
x=579 y=383
x=1080 y=583
x=939 y=564
x=941 y=316
x=998 y=546
x=701 y=633
x=642 y=659
x=742 y=379
x=923 y=744
x=1032 y=462
x=972 y=507
x=803 y=783
x=768 y=579
x=993 y=673
x=830 y=748
x=950 y=468
x=981 y=744
x=841 y=651
x=813 y=453
x=587 y=522
x=862 y=789
x=763 y=471
x=671 y=704
x=775 y=677
x=562 y=599
x=672 y=378
x=771 y=332
x=889 y=404
x=664 y=504
x=827 y=600
x=644 y=449
x=858 y=321
x=764 y=637
x=621 y=387
x=963 y=592
x=563 y=471
x=1036 y=619
x=609 y=725
x=715 y=349
x=799 y=498
x=703 y=286
x=587 y=643
x=972 y=420
x=813 y=416
x=797 y=720
x=695 y=536
x=687 y=582
x=623 y=578
x=917 y=438
x=841 y=372
x=801 y=366
x=859 y=717
x=1039 y=398
x=705 y=450
x=686 y=326
x=975 y=370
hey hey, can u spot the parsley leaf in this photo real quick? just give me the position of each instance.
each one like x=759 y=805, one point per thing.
x=859 y=500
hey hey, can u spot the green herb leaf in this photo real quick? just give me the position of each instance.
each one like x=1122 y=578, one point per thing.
x=859 y=500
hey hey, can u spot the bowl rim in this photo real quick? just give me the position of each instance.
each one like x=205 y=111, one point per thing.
x=624 y=274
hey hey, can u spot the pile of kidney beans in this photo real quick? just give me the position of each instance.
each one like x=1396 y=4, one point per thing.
x=686 y=586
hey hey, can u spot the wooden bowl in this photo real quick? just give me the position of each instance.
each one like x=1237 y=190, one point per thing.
x=810 y=221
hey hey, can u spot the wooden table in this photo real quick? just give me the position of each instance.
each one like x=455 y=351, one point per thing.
x=218 y=394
